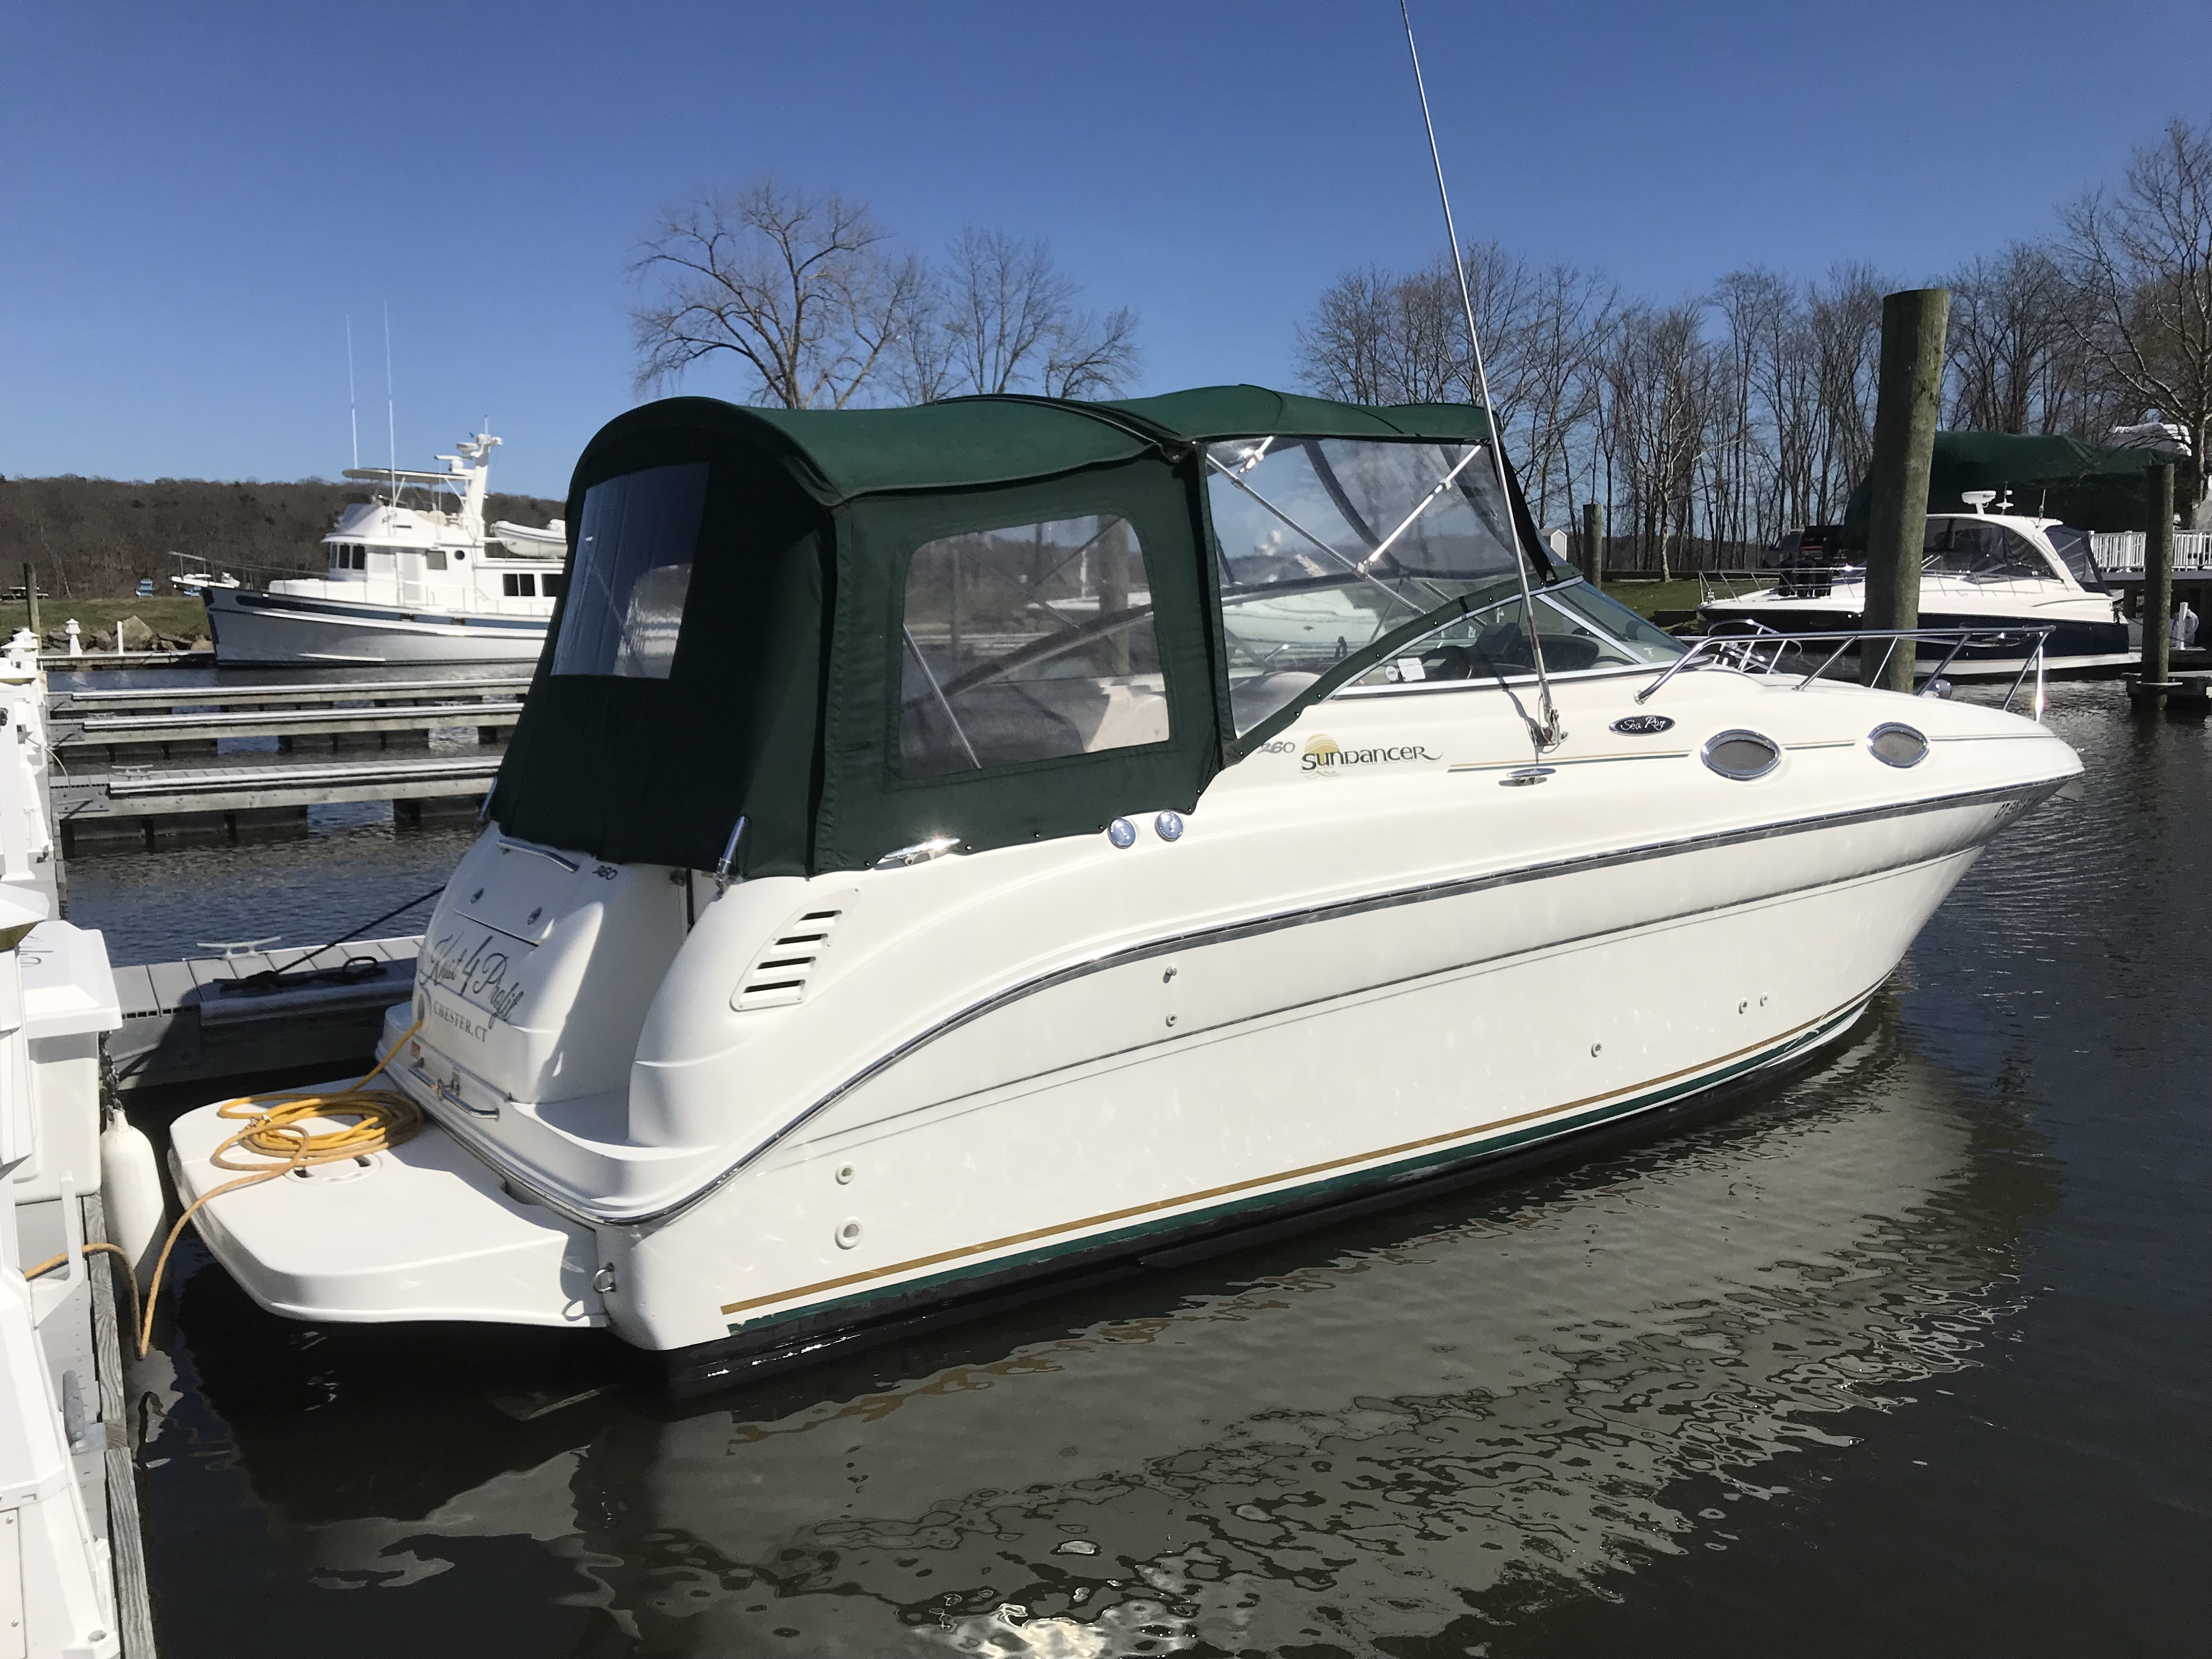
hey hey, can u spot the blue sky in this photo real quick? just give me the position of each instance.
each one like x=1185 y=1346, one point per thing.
x=192 y=200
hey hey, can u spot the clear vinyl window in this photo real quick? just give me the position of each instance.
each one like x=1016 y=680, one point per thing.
x=633 y=569
x=1326 y=544
x=1027 y=642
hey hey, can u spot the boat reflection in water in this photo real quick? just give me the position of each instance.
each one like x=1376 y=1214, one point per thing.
x=1407 y=1426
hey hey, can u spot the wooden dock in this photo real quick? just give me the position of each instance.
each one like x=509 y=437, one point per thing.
x=263 y=785
x=203 y=1020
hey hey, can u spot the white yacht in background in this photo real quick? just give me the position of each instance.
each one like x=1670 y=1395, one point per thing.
x=409 y=580
x=1980 y=569
x=1037 y=944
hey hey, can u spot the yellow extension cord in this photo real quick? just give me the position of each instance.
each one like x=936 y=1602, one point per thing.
x=383 y=1119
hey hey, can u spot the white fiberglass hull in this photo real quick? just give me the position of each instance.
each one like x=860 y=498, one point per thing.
x=1339 y=980
x=1714 y=1267
x=252 y=628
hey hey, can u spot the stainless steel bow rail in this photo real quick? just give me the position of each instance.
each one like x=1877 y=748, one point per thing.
x=1759 y=650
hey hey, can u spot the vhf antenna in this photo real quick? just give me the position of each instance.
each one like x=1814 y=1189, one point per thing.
x=391 y=418
x=1546 y=732
x=353 y=403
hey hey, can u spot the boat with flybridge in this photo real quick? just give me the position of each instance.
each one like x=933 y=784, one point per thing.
x=412 y=575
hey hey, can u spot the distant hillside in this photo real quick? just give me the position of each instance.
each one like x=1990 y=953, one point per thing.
x=92 y=536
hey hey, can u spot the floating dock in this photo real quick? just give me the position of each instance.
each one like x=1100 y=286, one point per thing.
x=111 y=788
x=218 y=1019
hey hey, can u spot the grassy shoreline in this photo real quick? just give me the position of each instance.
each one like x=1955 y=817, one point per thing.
x=173 y=615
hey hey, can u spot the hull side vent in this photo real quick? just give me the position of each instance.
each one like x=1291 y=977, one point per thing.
x=785 y=965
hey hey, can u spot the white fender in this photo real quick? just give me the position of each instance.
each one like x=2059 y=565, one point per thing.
x=131 y=1188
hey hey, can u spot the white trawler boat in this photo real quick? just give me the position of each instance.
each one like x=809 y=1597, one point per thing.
x=408 y=581
x=1993 y=571
x=1037 y=943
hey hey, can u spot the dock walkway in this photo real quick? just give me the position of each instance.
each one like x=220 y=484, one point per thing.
x=181 y=1026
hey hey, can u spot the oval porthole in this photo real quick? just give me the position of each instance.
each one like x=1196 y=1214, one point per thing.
x=1897 y=745
x=1742 y=755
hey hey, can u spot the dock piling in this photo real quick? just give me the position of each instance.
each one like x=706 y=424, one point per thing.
x=2147 y=688
x=1908 y=400
x=1594 y=543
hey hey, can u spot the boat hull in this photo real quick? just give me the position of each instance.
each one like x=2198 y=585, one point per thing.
x=982 y=1077
x=1200 y=1139
x=252 y=628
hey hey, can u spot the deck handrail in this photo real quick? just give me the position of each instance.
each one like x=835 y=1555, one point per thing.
x=1739 y=651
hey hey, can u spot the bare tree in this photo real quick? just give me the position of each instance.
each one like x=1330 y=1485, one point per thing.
x=1344 y=349
x=1003 y=300
x=799 y=288
x=1570 y=319
x=2140 y=259
x=1386 y=338
x=2009 y=319
x=1377 y=337
x=1091 y=357
x=1659 y=375
x=1000 y=317
x=1843 y=318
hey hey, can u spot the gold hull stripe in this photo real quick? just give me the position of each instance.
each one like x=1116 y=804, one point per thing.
x=1300 y=1174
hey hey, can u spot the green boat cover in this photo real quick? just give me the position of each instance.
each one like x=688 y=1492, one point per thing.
x=752 y=666
x=2084 y=485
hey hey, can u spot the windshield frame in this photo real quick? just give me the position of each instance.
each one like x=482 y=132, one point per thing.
x=1517 y=677
x=1227 y=456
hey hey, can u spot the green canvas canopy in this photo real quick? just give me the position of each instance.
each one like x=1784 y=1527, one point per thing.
x=989 y=620
x=2084 y=485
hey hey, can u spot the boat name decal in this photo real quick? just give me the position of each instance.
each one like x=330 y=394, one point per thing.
x=480 y=975
x=1644 y=726
x=466 y=1027
x=1322 y=757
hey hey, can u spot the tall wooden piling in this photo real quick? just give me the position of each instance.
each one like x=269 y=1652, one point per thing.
x=30 y=594
x=1594 y=543
x=2150 y=686
x=1908 y=400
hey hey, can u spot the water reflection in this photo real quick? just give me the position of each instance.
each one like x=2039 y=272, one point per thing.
x=1365 y=1436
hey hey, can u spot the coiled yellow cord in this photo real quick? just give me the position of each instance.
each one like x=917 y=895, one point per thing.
x=383 y=1119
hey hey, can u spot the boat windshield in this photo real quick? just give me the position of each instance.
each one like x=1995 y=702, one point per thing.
x=2075 y=551
x=1984 y=552
x=1582 y=632
x=1326 y=544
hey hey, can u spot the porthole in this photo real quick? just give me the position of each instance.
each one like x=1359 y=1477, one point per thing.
x=1897 y=745
x=1742 y=755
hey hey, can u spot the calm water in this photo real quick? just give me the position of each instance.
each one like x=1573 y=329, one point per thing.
x=1911 y=1353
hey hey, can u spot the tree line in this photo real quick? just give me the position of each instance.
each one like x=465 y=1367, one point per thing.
x=1709 y=425
x=99 y=537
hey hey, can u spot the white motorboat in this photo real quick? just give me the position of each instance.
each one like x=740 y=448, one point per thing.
x=1868 y=1229
x=1980 y=569
x=1034 y=947
x=408 y=582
